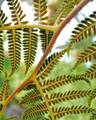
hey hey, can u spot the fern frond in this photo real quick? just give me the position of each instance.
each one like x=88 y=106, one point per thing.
x=40 y=7
x=91 y=72
x=1 y=52
x=49 y=63
x=70 y=95
x=60 y=112
x=16 y=11
x=31 y=97
x=30 y=46
x=35 y=111
x=3 y=18
x=14 y=42
x=45 y=37
x=5 y=90
x=62 y=80
x=86 y=28
x=88 y=54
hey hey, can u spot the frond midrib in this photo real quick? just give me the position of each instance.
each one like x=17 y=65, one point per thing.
x=40 y=26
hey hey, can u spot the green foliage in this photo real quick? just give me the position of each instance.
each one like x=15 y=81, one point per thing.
x=45 y=98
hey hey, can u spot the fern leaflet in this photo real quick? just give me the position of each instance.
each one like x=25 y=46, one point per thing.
x=16 y=11
x=86 y=28
x=40 y=7
x=45 y=37
x=49 y=63
x=60 y=112
x=91 y=72
x=30 y=46
x=62 y=80
x=70 y=95
x=14 y=42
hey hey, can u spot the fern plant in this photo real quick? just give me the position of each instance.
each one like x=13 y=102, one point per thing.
x=45 y=98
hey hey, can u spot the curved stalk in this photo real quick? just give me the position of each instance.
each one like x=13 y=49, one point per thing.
x=56 y=34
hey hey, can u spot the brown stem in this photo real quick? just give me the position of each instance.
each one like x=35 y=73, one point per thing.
x=72 y=14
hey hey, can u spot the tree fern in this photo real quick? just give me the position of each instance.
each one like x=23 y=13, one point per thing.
x=44 y=97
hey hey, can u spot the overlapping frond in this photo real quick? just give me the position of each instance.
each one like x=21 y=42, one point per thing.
x=16 y=11
x=38 y=110
x=91 y=72
x=86 y=28
x=49 y=63
x=62 y=80
x=45 y=37
x=30 y=41
x=14 y=42
x=40 y=98
x=31 y=97
x=60 y=112
x=40 y=7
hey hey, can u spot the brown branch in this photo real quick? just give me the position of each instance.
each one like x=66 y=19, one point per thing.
x=56 y=34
